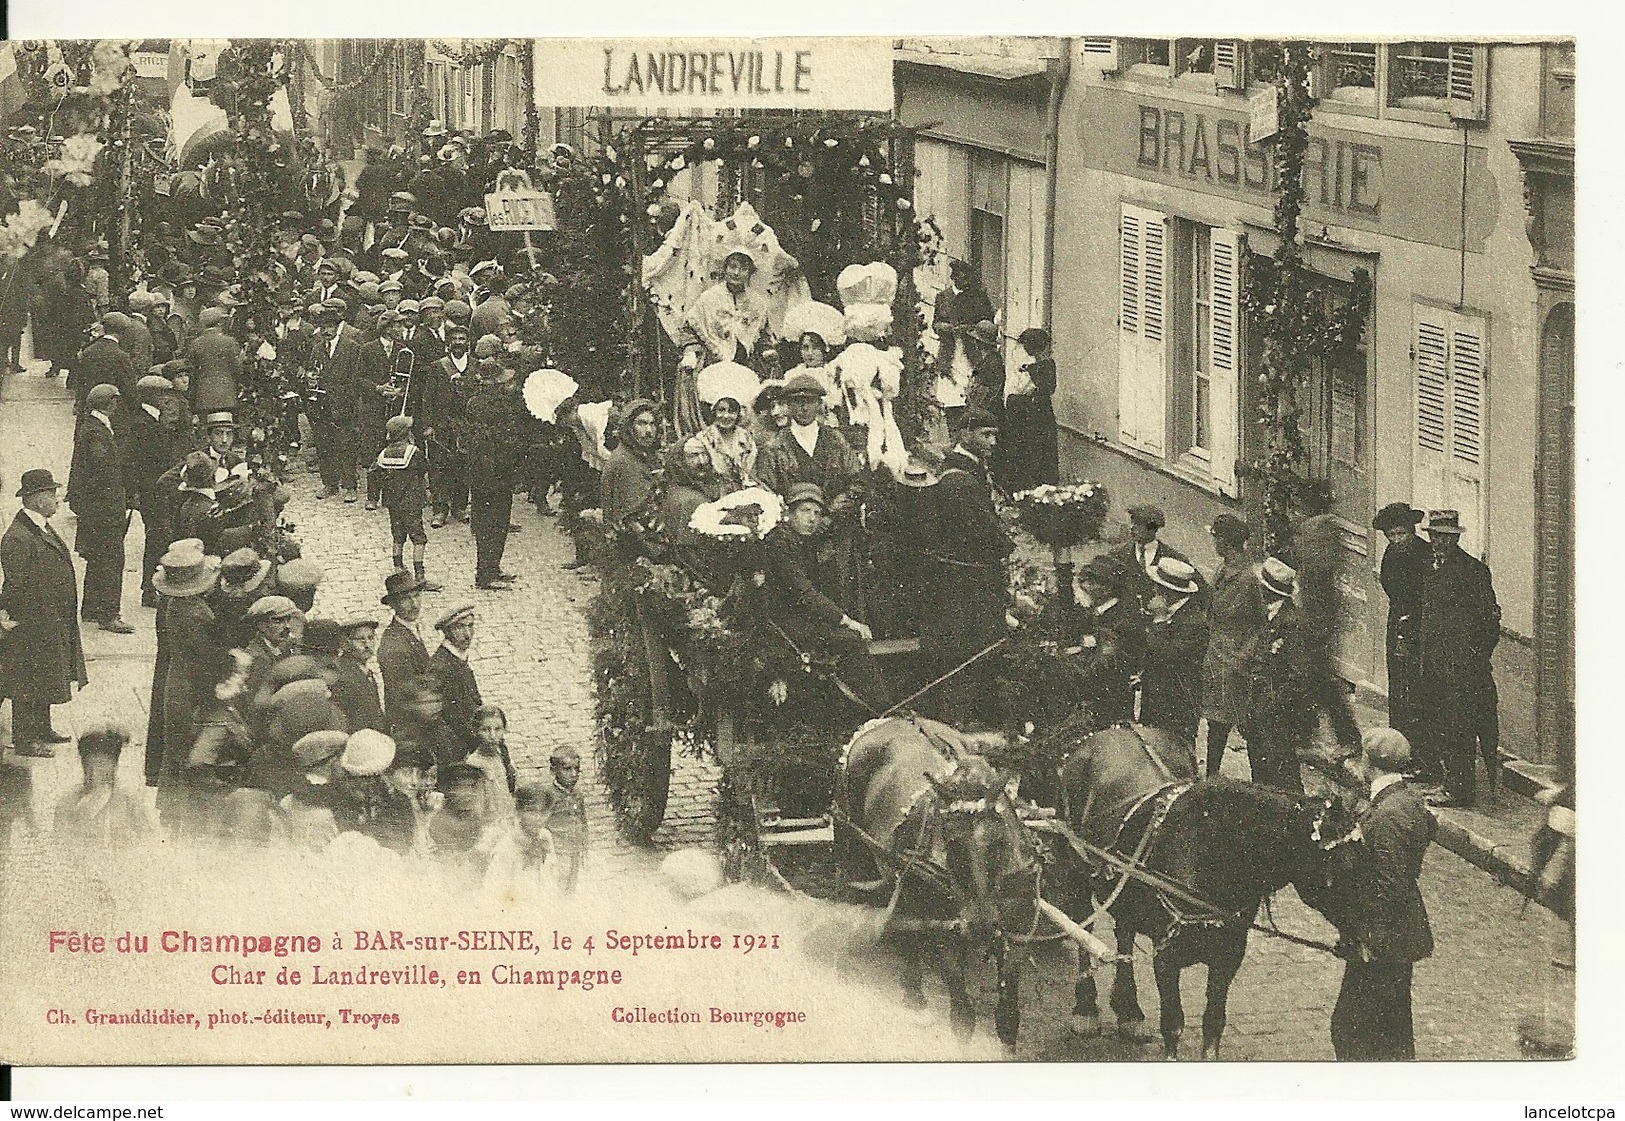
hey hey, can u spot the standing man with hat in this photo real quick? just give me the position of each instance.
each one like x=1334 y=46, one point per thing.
x=104 y=361
x=459 y=691
x=443 y=420
x=1175 y=648
x=1281 y=712
x=495 y=421
x=402 y=657
x=1372 y=1019
x=337 y=361
x=216 y=361
x=148 y=447
x=969 y=561
x=1236 y=617
x=380 y=398
x=1460 y=625
x=1406 y=563
x=808 y=450
x=96 y=493
x=137 y=341
x=186 y=576
x=41 y=658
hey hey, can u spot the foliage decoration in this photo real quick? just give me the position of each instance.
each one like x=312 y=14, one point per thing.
x=1290 y=307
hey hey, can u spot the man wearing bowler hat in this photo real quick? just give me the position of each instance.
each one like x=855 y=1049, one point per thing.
x=40 y=653
x=402 y=657
x=1460 y=625
x=1406 y=563
x=150 y=444
x=96 y=493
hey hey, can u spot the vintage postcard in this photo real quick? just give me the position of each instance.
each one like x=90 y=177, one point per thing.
x=802 y=549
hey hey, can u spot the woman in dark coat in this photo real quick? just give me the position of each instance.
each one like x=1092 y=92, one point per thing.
x=1027 y=455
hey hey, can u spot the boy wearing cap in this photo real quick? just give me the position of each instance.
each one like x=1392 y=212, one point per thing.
x=402 y=474
x=96 y=493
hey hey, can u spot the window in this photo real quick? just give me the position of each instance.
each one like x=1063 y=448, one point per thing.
x=989 y=197
x=1335 y=424
x=1451 y=369
x=1179 y=344
x=1437 y=78
x=1349 y=71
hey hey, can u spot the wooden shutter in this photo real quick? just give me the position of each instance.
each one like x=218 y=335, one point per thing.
x=941 y=191
x=1451 y=372
x=1229 y=64
x=1468 y=81
x=1142 y=390
x=1225 y=357
x=1024 y=251
x=1102 y=53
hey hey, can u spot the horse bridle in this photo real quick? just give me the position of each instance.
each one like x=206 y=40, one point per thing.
x=1353 y=836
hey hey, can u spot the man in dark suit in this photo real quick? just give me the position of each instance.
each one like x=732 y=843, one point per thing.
x=968 y=556
x=378 y=399
x=1406 y=563
x=1175 y=650
x=1281 y=711
x=459 y=691
x=442 y=419
x=1460 y=625
x=337 y=361
x=96 y=493
x=216 y=362
x=40 y=653
x=1372 y=1019
x=104 y=361
x=149 y=445
x=1141 y=552
x=402 y=657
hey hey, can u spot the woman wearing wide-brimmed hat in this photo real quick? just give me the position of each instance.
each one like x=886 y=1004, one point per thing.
x=186 y=629
x=1406 y=563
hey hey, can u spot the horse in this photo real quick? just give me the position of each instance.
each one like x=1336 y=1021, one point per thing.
x=928 y=818
x=1218 y=846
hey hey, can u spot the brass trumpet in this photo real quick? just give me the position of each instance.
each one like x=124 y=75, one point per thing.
x=401 y=374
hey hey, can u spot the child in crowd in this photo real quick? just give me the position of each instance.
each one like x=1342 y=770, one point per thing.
x=456 y=831
x=409 y=803
x=100 y=813
x=493 y=760
x=523 y=868
x=568 y=822
x=402 y=474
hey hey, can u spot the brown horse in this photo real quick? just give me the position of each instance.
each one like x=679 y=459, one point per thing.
x=1220 y=848
x=922 y=816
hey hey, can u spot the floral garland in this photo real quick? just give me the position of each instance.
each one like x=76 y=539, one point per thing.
x=365 y=75
x=479 y=56
x=1287 y=303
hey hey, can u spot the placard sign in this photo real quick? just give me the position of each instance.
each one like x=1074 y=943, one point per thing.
x=150 y=64
x=519 y=211
x=718 y=73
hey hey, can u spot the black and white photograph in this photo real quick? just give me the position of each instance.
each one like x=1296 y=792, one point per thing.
x=731 y=550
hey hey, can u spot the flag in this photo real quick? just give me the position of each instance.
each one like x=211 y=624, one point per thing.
x=13 y=94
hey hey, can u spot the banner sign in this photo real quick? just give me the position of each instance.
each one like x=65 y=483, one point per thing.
x=718 y=73
x=151 y=64
x=519 y=210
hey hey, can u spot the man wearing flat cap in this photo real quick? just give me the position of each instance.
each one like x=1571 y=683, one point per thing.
x=969 y=588
x=41 y=658
x=1458 y=632
x=1406 y=563
x=104 y=361
x=1144 y=548
x=96 y=493
x=459 y=690
x=442 y=418
x=380 y=397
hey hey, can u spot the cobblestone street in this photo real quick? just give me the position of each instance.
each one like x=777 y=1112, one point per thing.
x=532 y=656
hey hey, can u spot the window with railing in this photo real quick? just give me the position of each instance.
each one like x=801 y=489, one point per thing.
x=1349 y=71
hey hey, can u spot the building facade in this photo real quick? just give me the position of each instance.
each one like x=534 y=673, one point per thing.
x=1161 y=192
